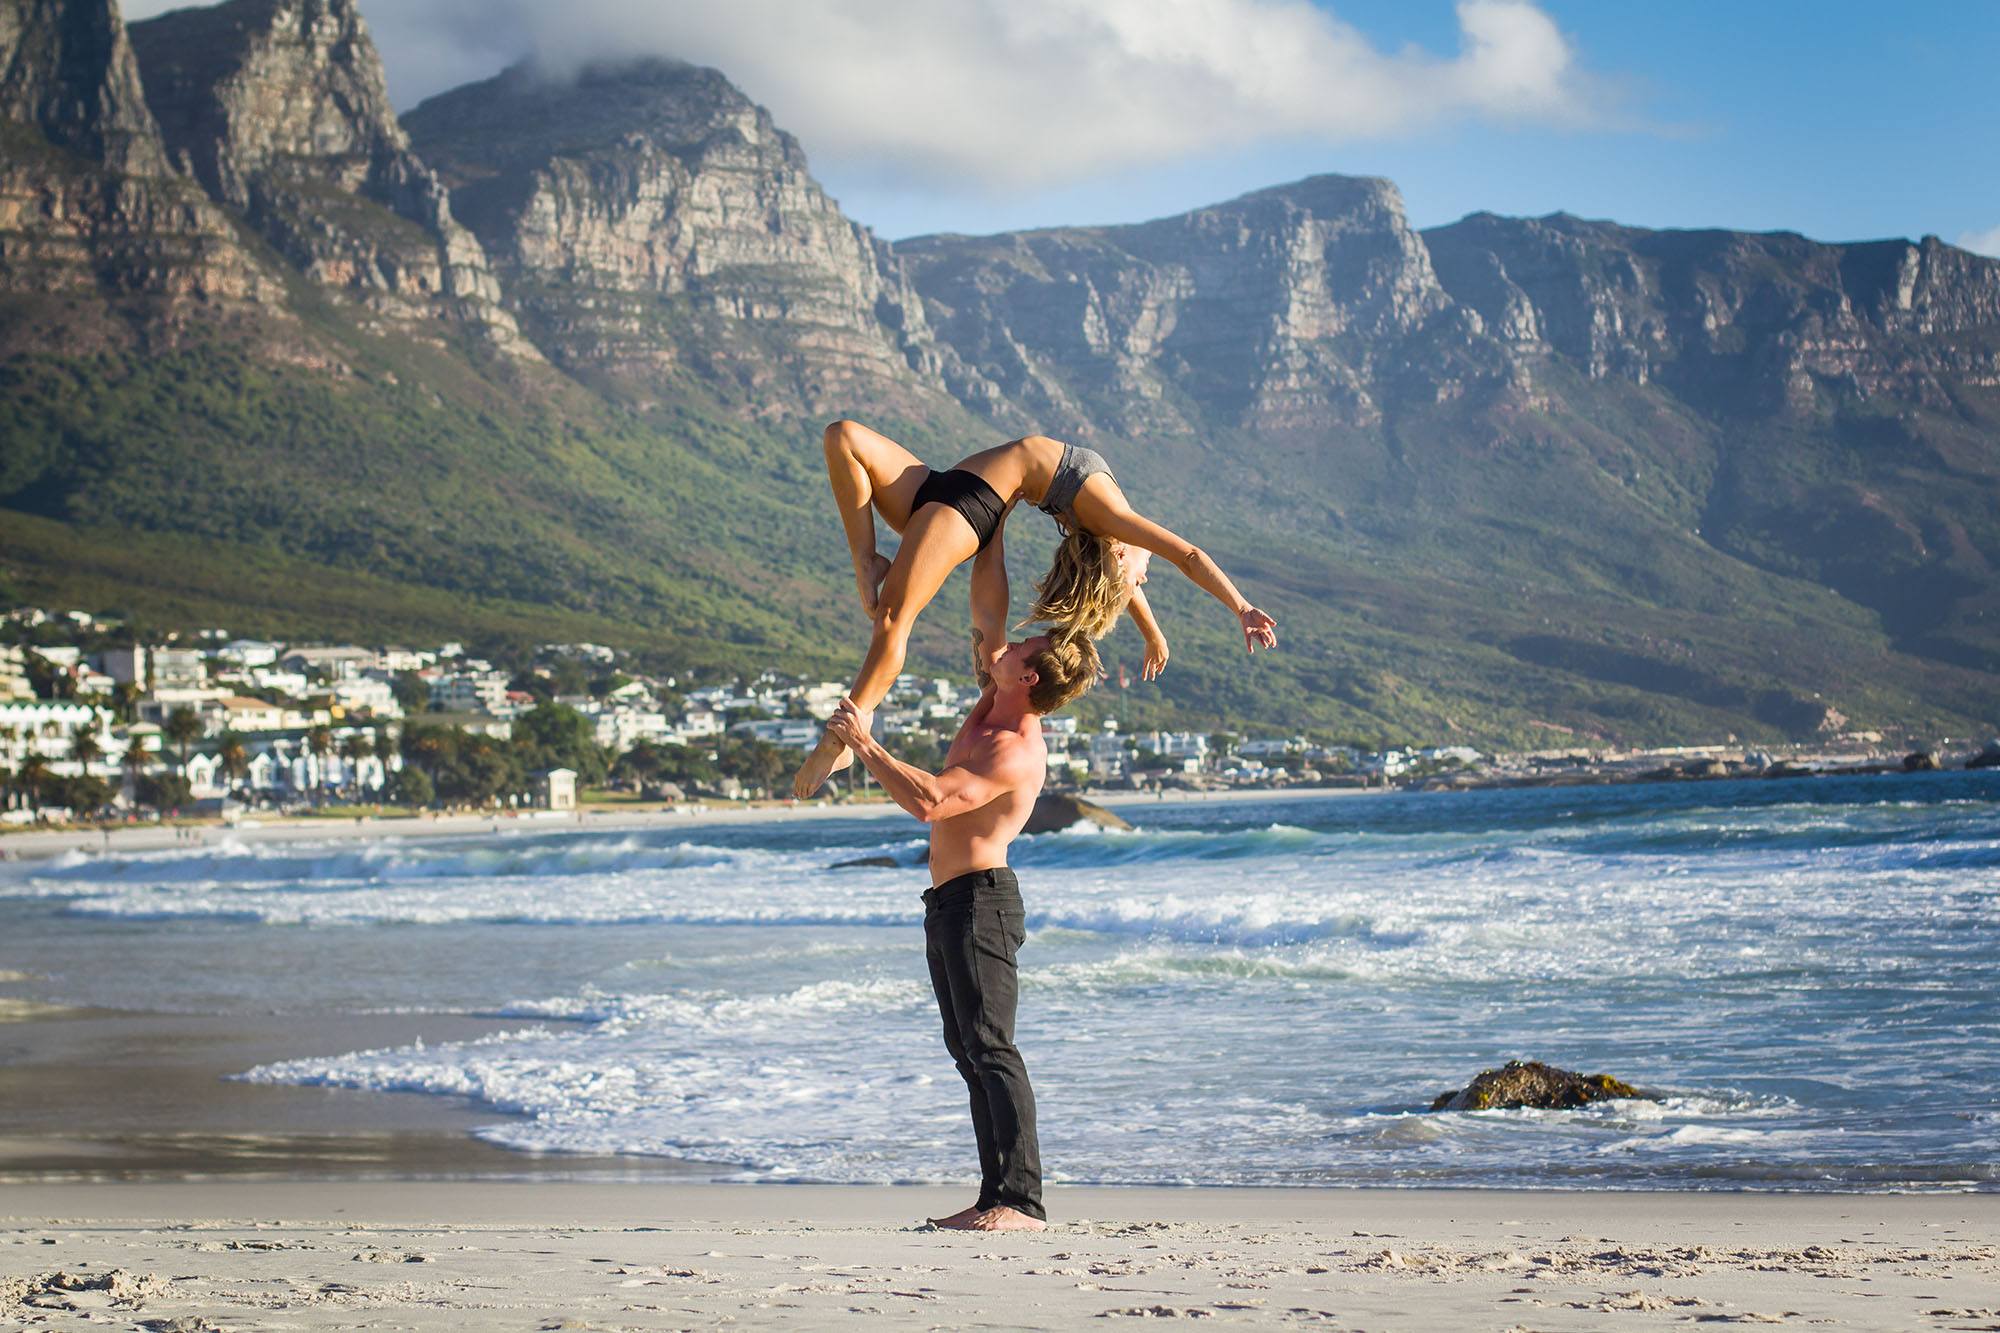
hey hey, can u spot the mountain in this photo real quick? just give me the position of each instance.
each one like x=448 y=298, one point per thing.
x=280 y=109
x=651 y=222
x=96 y=221
x=549 y=358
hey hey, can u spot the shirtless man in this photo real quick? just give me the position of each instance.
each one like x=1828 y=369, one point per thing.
x=973 y=917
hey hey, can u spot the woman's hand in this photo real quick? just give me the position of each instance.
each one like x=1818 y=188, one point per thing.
x=1258 y=628
x=1156 y=658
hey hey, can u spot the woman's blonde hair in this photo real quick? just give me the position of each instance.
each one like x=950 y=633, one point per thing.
x=1085 y=590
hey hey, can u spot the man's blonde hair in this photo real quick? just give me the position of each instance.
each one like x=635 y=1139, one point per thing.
x=1065 y=669
x=1085 y=590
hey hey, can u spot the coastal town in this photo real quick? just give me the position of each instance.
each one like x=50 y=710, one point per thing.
x=99 y=723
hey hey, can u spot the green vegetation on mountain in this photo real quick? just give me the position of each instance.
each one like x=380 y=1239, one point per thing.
x=1514 y=481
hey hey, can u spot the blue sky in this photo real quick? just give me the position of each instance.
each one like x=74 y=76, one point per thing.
x=1839 y=119
x=1843 y=121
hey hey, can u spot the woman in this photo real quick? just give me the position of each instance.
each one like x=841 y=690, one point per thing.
x=947 y=518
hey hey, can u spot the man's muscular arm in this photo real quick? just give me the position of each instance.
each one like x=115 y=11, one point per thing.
x=997 y=766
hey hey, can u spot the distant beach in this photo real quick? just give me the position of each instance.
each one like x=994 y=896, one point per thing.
x=595 y=818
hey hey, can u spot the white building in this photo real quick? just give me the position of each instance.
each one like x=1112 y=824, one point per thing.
x=239 y=712
x=698 y=721
x=1173 y=744
x=362 y=694
x=470 y=692
x=620 y=729
x=157 y=706
x=45 y=727
x=398 y=660
x=14 y=683
x=791 y=733
x=290 y=683
x=178 y=666
x=249 y=652
x=334 y=661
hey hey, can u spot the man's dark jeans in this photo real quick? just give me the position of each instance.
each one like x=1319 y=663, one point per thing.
x=973 y=926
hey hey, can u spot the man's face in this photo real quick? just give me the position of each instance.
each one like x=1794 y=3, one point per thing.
x=1009 y=667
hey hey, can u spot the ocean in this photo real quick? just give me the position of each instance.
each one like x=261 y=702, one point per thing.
x=1806 y=973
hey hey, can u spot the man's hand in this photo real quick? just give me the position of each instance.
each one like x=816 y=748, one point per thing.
x=1156 y=658
x=850 y=725
x=1258 y=628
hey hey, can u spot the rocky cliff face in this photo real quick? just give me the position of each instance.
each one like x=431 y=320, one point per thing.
x=650 y=220
x=88 y=201
x=279 y=108
x=1282 y=311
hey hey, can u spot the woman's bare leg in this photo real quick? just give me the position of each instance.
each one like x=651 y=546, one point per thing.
x=936 y=541
x=864 y=468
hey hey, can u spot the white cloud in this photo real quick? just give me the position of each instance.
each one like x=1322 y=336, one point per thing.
x=1026 y=93
x=1981 y=242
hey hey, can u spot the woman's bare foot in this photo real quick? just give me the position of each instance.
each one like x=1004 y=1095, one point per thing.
x=870 y=583
x=827 y=756
x=957 y=1221
x=1004 y=1218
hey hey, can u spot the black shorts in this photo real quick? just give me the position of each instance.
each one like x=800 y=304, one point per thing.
x=967 y=492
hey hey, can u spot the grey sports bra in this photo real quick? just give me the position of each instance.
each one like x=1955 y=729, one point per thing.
x=1077 y=466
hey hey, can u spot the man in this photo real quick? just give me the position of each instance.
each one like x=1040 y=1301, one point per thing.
x=973 y=916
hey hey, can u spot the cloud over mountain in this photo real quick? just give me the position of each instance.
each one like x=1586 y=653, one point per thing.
x=1026 y=93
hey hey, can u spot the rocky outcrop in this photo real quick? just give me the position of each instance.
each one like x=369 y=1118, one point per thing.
x=651 y=220
x=67 y=71
x=1058 y=810
x=1532 y=1083
x=280 y=109
x=88 y=201
x=1292 y=309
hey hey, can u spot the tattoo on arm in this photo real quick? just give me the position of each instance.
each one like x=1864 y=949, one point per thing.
x=980 y=674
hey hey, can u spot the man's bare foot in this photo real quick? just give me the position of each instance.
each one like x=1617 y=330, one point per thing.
x=870 y=582
x=957 y=1221
x=827 y=756
x=1004 y=1218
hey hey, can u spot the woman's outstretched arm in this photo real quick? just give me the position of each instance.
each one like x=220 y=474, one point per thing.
x=1105 y=512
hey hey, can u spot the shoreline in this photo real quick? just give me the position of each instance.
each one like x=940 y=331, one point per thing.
x=498 y=1254
x=41 y=844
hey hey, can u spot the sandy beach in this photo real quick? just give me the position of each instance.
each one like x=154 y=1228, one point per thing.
x=326 y=1255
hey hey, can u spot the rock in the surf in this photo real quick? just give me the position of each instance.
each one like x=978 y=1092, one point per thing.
x=1920 y=761
x=1059 y=810
x=868 y=863
x=1988 y=757
x=1532 y=1083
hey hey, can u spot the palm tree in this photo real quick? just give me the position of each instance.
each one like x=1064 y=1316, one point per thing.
x=319 y=743
x=84 y=747
x=234 y=755
x=136 y=761
x=183 y=728
x=354 y=749
x=33 y=772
